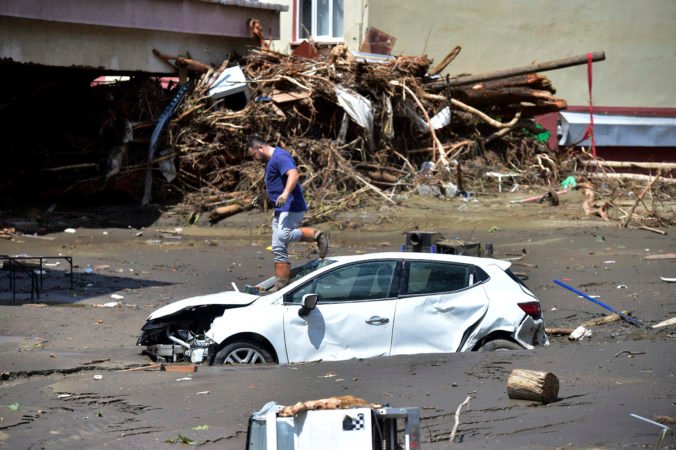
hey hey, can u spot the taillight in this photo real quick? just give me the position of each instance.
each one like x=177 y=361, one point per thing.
x=532 y=309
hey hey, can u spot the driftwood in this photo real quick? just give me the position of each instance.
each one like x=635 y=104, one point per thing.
x=525 y=384
x=340 y=402
x=628 y=177
x=639 y=199
x=631 y=164
x=506 y=73
x=665 y=323
x=604 y=320
x=556 y=331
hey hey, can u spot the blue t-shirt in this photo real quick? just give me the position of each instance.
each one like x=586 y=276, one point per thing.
x=275 y=180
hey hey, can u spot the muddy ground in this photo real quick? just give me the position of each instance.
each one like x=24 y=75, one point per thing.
x=54 y=348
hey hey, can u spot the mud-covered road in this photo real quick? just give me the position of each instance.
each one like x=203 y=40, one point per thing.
x=63 y=384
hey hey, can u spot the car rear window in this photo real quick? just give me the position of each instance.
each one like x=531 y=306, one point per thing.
x=428 y=277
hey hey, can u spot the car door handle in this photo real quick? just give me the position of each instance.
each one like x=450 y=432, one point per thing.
x=375 y=320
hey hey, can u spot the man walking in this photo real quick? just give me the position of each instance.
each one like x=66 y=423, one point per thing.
x=284 y=190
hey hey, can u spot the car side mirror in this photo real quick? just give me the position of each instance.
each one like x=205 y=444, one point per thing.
x=307 y=304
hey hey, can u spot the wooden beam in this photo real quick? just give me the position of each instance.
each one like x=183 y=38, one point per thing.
x=505 y=73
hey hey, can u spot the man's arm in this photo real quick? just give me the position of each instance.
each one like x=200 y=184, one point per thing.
x=291 y=180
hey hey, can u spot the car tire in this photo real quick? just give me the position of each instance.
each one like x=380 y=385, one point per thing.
x=243 y=353
x=499 y=345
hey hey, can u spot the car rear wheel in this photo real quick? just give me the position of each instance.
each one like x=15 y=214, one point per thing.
x=500 y=345
x=243 y=353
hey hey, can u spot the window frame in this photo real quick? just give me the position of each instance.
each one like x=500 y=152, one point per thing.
x=312 y=284
x=298 y=32
x=476 y=276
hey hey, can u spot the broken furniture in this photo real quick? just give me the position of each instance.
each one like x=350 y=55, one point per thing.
x=34 y=267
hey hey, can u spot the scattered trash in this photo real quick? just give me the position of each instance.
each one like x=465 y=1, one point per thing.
x=13 y=406
x=668 y=280
x=63 y=396
x=580 y=333
x=201 y=427
x=98 y=377
x=117 y=296
x=108 y=305
x=621 y=286
x=203 y=393
x=609 y=262
x=569 y=182
x=184 y=379
x=89 y=269
x=69 y=230
x=629 y=353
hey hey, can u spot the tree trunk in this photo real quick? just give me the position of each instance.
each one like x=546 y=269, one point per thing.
x=525 y=384
x=506 y=73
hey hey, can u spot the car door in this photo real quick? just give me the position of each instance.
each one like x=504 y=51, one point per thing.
x=438 y=302
x=353 y=317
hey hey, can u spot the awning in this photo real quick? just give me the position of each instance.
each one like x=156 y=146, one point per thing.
x=617 y=130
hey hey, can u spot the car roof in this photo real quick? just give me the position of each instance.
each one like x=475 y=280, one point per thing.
x=419 y=256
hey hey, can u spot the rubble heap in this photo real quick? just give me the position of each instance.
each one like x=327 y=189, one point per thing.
x=360 y=131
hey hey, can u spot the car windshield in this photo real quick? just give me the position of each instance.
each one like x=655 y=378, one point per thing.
x=264 y=287
x=299 y=272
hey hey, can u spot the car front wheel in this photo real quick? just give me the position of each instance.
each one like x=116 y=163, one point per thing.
x=243 y=353
x=499 y=345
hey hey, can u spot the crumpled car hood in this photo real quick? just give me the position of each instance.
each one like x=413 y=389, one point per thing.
x=221 y=298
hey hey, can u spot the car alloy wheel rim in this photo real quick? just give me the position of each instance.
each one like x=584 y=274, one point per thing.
x=244 y=356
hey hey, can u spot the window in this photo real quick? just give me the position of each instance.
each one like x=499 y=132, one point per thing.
x=321 y=19
x=364 y=281
x=428 y=277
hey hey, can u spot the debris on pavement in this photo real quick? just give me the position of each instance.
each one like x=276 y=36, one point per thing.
x=626 y=317
x=340 y=402
x=523 y=384
x=629 y=354
x=665 y=323
x=580 y=333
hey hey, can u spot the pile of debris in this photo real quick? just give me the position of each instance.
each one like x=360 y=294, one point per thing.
x=361 y=128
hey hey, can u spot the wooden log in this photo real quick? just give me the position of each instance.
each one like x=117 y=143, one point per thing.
x=559 y=331
x=225 y=211
x=504 y=96
x=628 y=176
x=381 y=175
x=604 y=320
x=525 y=384
x=446 y=61
x=631 y=164
x=506 y=73
x=531 y=80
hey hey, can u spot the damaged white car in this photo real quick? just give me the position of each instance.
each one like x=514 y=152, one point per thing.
x=360 y=306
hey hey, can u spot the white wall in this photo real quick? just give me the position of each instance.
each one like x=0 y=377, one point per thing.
x=638 y=37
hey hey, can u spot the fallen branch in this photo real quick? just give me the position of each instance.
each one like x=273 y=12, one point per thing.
x=628 y=176
x=435 y=139
x=604 y=320
x=457 y=419
x=630 y=164
x=639 y=198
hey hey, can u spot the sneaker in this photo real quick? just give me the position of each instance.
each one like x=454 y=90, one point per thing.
x=322 y=240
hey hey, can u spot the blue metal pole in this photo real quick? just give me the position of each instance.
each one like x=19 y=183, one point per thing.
x=629 y=319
